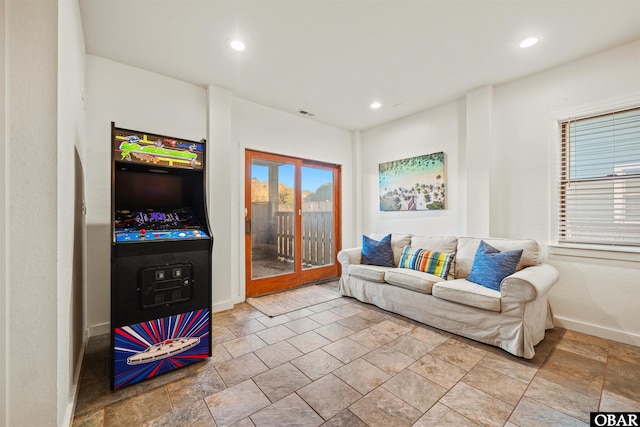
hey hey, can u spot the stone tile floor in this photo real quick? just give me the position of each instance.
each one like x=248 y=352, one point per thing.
x=344 y=363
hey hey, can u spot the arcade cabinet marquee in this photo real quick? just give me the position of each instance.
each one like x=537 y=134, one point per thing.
x=160 y=256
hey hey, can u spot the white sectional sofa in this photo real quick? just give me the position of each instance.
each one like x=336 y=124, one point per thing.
x=514 y=318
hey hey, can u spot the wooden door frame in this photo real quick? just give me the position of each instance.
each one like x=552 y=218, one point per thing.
x=299 y=276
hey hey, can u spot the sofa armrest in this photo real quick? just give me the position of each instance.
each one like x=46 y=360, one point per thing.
x=529 y=283
x=349 y=256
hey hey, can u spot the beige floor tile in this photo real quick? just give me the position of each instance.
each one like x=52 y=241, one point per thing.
x=237 y=370
x=626 y=383
x=496 y=384
x=441 y=416
x=403 y=367
x=270 y=322
x=196 y=414
x=195 y=387
x=345 y=350
x=89 y=419
x=388 y=359
x=288 y=412
x=415 y=389
x=317 y=364
x=458 y=353
x=531 y=413
x=370 y=338
x=356 y=323
x=346 y=310
x=302 y=325
x=430 y=337
x=308 y=341
x=334 y=331
x=570 y=402
x=438 y=371
x=613 y=402
x=137 y=409
x=277 y=354
x=574 y=371
x=275 y=334
x=361 y=375
x=392 y=328
x=281 y=381
x=624 y=352
x=585 y=345
x=246 y=327
x=345 y=418
x=410 y=346
x=381 y=408
x=325 y=317
x=235 y=403
x=329 y=395
x=477 y=405
x=244 y=345
x=510 y=366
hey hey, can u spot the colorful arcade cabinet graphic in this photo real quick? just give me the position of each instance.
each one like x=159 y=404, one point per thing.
x=161 y=251
x=150 y=348
x=132 y=146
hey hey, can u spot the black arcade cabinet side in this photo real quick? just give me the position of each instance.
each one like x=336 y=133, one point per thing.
x=160 y=256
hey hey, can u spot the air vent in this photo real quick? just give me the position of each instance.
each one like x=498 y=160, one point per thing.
x=306 y=113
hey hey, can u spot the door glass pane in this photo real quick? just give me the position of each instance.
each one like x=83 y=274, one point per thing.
x=317 y=217
x=272 y=218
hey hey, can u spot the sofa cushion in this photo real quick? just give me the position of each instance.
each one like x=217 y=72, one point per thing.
x=490 y=266
x=438 y=243
x=373 y=273
x=464 y=292
x=425 y=260
x=398 y=242
x=467 y=247
x=411 y=279
x=377 y=252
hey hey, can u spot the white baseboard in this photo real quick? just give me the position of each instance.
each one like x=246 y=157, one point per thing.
x=598 y=331
x=100 y=329
x=71 y=407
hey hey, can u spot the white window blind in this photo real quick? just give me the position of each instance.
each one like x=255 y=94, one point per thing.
x=600 y=179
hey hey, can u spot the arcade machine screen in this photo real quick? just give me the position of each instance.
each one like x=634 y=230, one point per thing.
x=161 y=256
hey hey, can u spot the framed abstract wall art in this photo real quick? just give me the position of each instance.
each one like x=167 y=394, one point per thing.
x=413 y=184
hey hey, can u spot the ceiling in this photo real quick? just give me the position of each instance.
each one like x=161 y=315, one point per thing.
x=334 y=58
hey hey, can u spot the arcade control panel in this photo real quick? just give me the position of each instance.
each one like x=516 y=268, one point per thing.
x=148 y=225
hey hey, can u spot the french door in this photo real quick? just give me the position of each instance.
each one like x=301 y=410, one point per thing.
x=292 y=221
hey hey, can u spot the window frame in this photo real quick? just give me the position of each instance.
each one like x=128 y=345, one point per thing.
x=583 y=250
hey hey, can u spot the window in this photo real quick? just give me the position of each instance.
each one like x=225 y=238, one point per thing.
x=600 y=179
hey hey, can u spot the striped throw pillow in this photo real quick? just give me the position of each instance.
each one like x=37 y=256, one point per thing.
x=436 y=263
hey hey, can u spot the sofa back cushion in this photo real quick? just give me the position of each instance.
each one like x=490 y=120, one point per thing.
x=398 y=242
x=438 y=243
x=467 y=247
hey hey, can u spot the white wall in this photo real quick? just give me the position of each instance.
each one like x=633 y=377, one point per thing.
x=31 y=218
x=257 y=127
x=501 y=164
x=431 y=131
x=596 y=296
x=3 y=223
x=133 y=99
x=140 y=100
x=71 y=137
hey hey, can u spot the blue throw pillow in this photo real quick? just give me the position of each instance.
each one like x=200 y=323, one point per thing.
x=376 y=252
x=490 y=266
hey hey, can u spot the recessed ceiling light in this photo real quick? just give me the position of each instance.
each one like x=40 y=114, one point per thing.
x=528 y=42
x=375 y=105
x=237 y=45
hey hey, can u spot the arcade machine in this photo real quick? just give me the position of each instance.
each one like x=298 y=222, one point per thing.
x=160 y=256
